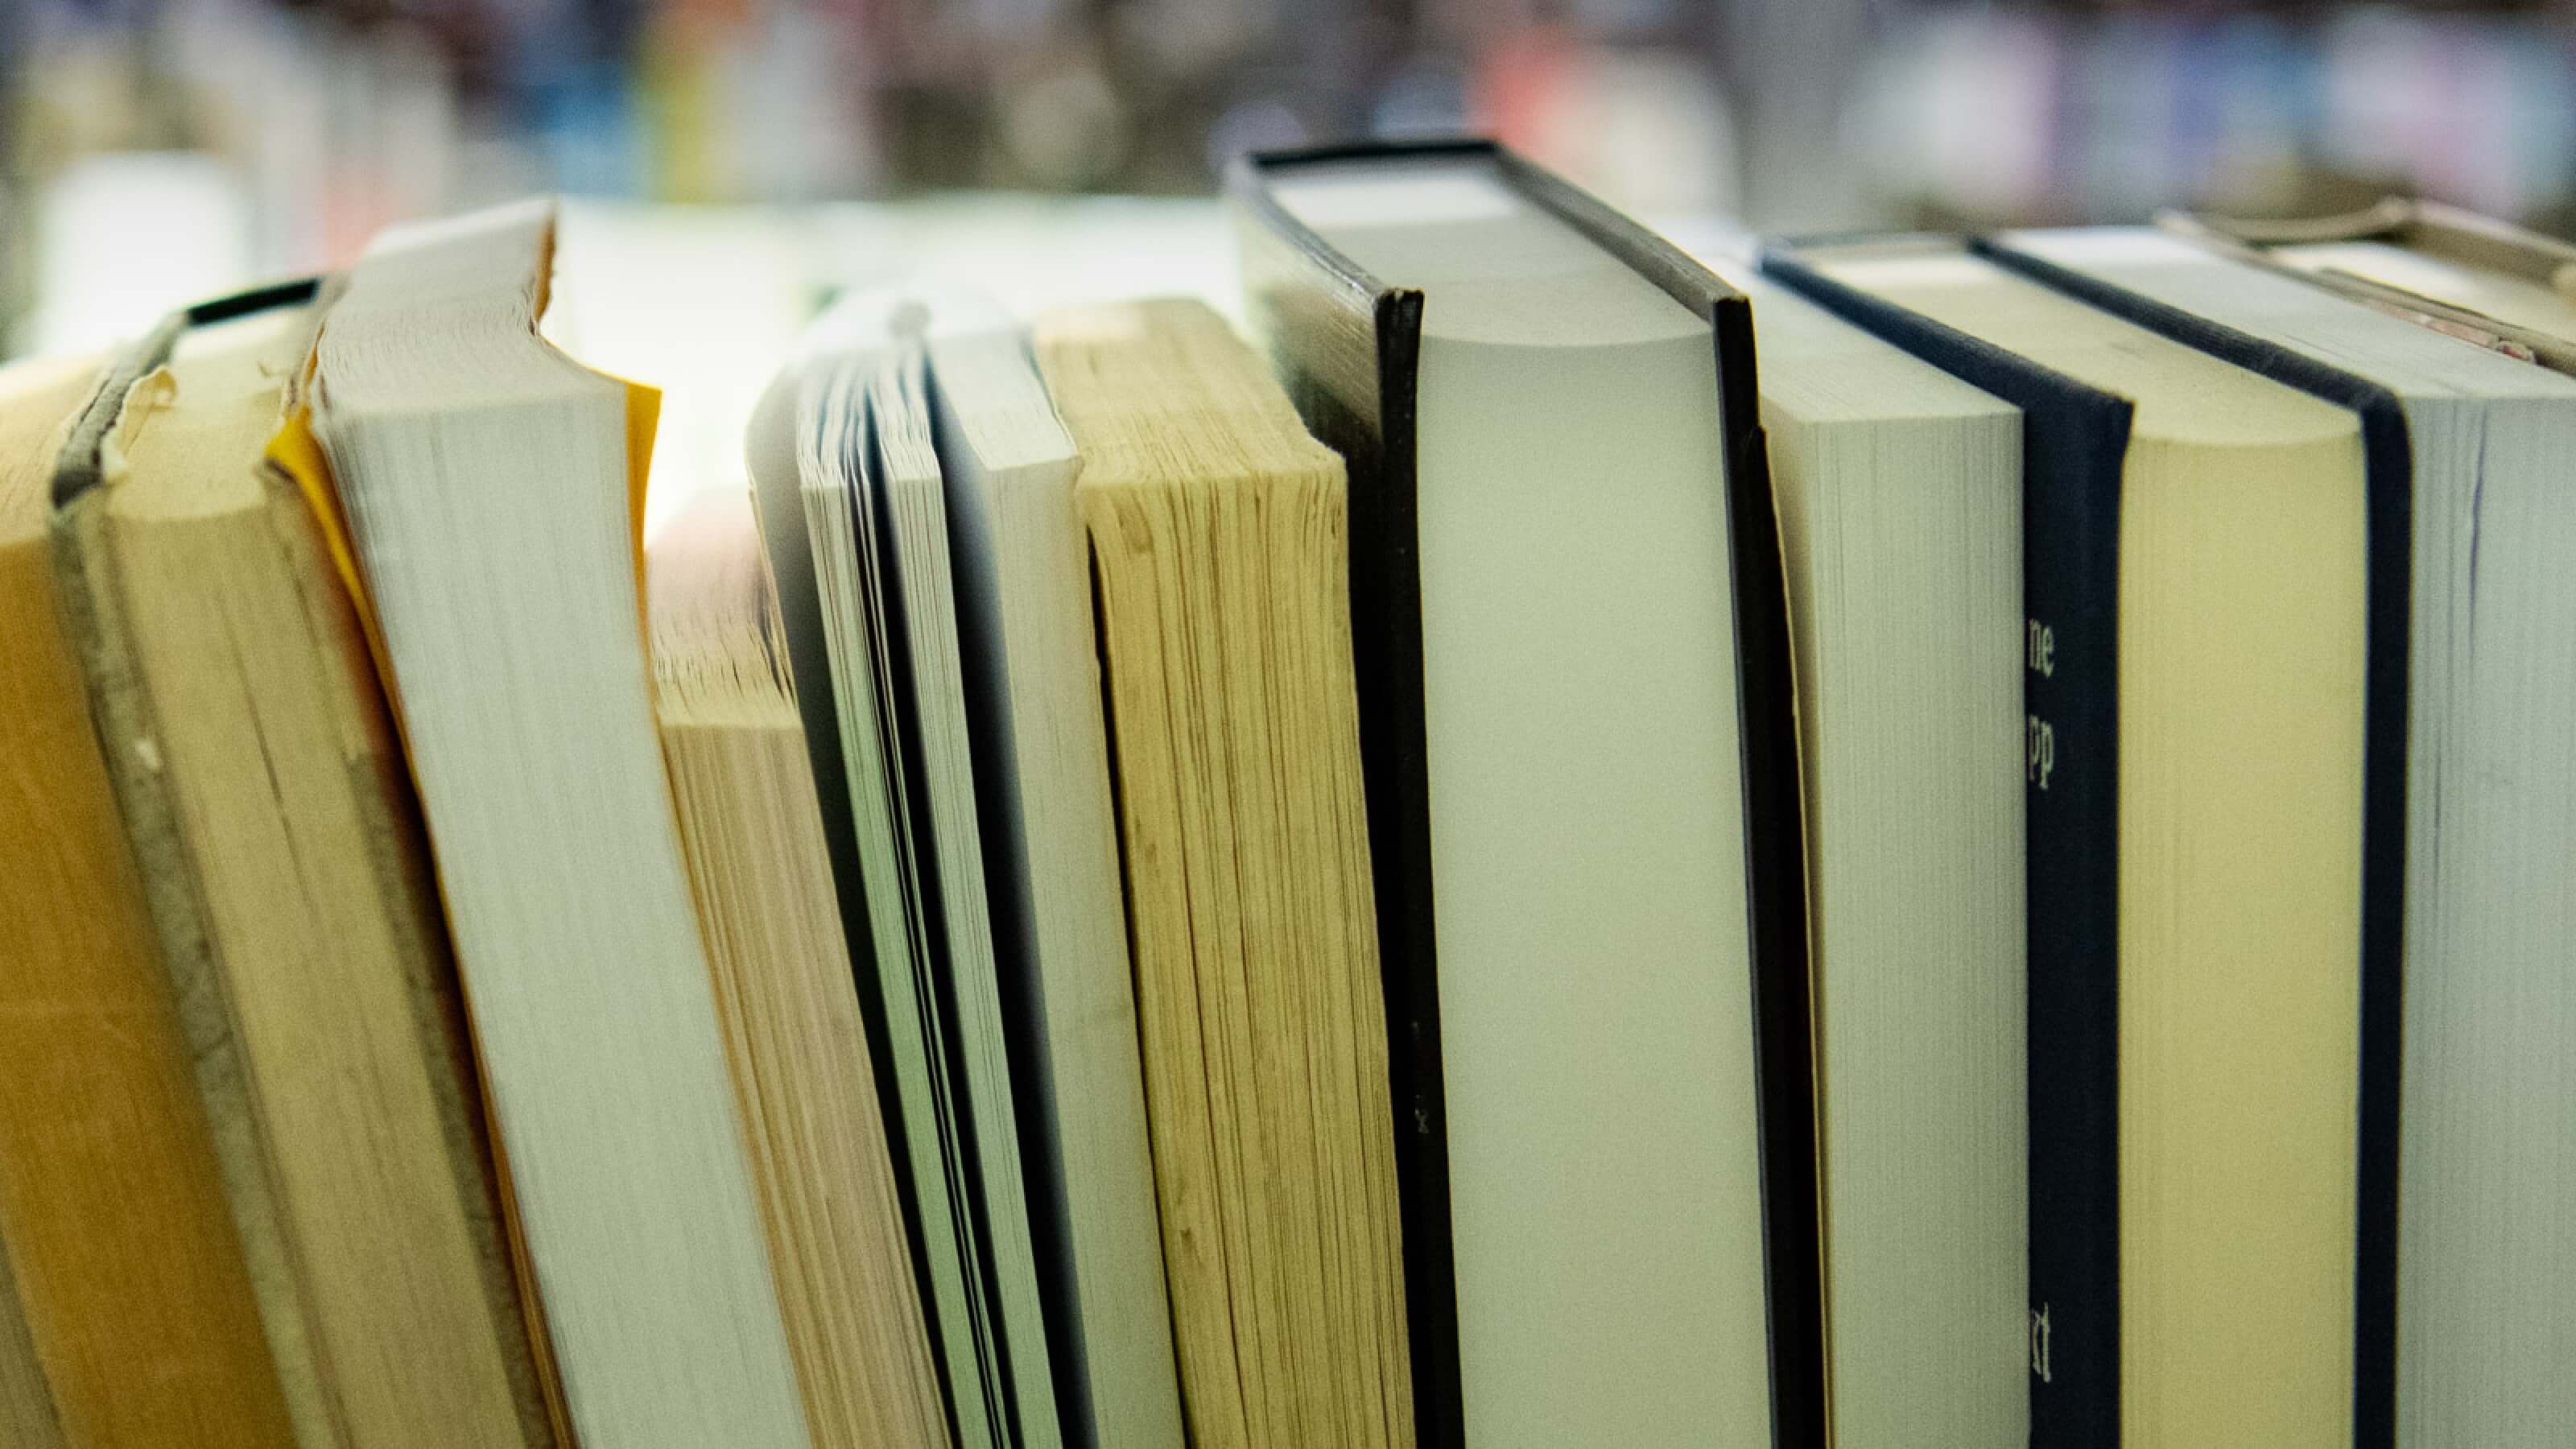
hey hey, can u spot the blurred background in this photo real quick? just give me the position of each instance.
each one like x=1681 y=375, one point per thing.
x=155 y=149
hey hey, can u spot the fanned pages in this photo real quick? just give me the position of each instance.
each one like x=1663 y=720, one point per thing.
x=261 y=781
x=803 y=455
x=137 y=1300
x=753 y=830
x=934 y=955
x=902 y=558
x=2467 y=276
x=489 y=484
x=1900 y=516
x=1217 y=533
x=950 y=594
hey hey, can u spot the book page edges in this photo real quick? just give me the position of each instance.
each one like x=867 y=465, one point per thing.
x=296 y=454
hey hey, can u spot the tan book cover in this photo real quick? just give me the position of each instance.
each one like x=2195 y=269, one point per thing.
x=752 y=824
x=264 y=789
x=137 y=1301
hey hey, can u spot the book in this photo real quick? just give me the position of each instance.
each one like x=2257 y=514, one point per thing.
x=856 y=534
x=1574 y=674
x=137 y=1300
x=1220 y=563
x=2461 y=1120
x=1899 y=490
x=1020 y=570
x=1457 y=881
x=269 y=805
x=2198 y=664
x=489 y=487
x=753 y=831
x=983 y=582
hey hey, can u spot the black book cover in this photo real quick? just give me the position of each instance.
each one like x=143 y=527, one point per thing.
x=2074 y=438
x=2388 y=470
x=1347 y=347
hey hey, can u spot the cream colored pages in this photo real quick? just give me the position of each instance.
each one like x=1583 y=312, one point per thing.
x=1216 y=530
x=2484 y=1263
x=2240 y=840
x=2240 y=596
x=752 y=824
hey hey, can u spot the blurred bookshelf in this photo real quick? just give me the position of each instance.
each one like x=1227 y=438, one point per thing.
x=190 y=143
x=1989 y=116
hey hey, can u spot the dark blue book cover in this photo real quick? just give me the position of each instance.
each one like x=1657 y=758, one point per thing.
x=2074 y=439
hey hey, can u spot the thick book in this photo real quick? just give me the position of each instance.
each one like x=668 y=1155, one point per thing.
x=137 y=1301
x=2464 y=1109
x=265 y=794
x=2209 y=786
x=1218 y=559
x=1581 y=755
x=490 y=488
x=1900 y=523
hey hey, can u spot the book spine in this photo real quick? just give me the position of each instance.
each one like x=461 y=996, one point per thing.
x=2073 y=442
x=2070 y=779
x=1784 y=1021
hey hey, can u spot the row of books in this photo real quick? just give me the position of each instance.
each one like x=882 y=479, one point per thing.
x=1503 y=875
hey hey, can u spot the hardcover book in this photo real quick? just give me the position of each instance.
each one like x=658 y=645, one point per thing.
x=2461 y=1107
x=1576 y=719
